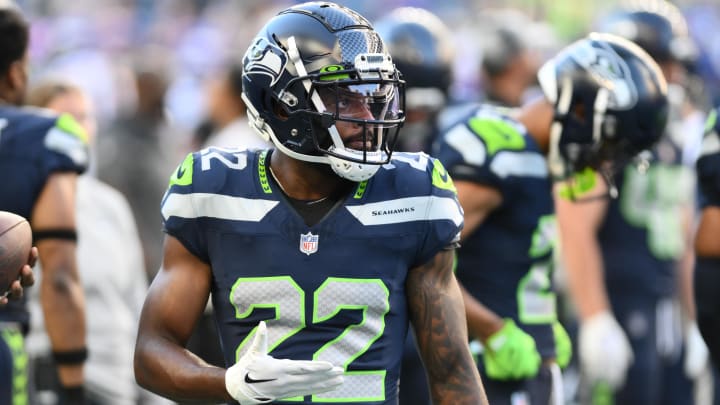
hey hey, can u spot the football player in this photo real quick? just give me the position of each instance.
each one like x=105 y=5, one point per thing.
x=603 y=98
x=319 y=252
x=42 y=153
x=628 y=259
x=707 y=248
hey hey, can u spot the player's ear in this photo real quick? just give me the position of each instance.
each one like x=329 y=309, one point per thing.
x=18 y=75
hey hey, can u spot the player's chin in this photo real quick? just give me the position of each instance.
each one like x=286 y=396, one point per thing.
x=359 y=146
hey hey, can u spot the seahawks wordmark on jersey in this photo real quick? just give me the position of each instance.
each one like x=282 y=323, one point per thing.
x=333 y=291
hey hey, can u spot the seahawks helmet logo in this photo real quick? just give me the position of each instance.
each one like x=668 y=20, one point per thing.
x=610 y=70
x=265 y=59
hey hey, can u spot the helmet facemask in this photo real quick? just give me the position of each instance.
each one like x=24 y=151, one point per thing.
x=366 y=97
x=358 y=121
x=577 y=145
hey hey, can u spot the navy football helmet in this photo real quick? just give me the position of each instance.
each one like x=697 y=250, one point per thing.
x=422 y=47
x=316 y=65
x=656 y=26
x=610 y=100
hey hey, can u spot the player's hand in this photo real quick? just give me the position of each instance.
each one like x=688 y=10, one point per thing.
x=510 y=354
x=26 y=279
x=697 y=355
x=563 y=345
x=605 y=352
x=259 y=378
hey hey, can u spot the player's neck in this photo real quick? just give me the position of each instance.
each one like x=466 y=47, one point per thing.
x=537 y=117
x=304 y=181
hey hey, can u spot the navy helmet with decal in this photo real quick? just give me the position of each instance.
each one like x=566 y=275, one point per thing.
x=657 y=26
x=423 y=50
x=610 y=100
x=317 y=65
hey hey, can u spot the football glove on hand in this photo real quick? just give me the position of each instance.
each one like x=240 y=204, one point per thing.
x=697 y=355
x=605 y=352
x=563 y=345
x=259 y=378
x=510 y=354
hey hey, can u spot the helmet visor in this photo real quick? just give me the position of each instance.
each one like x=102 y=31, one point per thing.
x=367 y=116
x=372 y=103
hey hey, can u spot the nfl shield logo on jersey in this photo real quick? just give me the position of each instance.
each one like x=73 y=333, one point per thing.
x=309 y=243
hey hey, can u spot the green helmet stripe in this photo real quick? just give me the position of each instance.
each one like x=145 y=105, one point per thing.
x=330 y=69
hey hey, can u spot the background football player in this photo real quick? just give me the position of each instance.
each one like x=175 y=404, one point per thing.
x=44 y=153
x=504 y=166
x=316 y=253
x=628 y=260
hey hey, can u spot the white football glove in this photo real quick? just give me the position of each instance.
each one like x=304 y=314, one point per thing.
x=605 y=352
x=259 y=378
x=697 y=355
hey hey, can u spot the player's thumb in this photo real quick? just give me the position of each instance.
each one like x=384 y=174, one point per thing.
x=259 y=344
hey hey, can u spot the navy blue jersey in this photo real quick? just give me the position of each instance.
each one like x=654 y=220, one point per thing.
x=642 y=236
x=506 y=263
x=333 y=291
x=33 y=145
x=708 y=164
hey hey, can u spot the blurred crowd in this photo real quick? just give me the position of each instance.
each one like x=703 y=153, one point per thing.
x=149 y=66
x=162 y=78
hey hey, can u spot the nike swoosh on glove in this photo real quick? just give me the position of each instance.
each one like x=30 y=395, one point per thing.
x=259 y=378
x=510 y=354
x=605 y=352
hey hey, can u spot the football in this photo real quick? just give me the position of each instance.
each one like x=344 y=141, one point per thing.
x=15 y=245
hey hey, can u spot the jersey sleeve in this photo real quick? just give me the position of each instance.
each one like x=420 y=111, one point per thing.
x=444 y=214
x=482 y=149
x=179 y=215
x=67 y=146
x=708 y=164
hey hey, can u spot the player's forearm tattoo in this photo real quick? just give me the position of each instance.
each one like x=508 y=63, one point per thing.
x=437 y=313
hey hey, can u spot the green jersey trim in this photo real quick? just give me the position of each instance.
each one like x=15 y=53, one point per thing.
x=184 y=174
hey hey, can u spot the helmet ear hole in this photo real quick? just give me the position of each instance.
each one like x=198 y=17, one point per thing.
x=579 y=112
x=279 y=110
